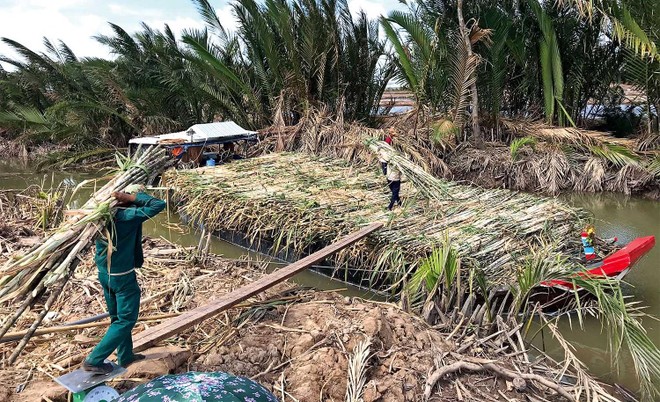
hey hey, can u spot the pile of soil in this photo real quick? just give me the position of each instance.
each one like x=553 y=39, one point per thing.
x=303 y=351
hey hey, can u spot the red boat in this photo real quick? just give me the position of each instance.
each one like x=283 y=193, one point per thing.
x=617 y=265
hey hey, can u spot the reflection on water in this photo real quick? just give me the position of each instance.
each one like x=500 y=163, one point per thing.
x=615 y=214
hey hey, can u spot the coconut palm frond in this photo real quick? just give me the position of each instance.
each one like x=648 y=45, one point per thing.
x=357 y=371
x=517 y=144
x=593 y=176
x=615 y=154
x=211 y=18
x=621 y=318
x=551 y=64
x=216 y=65
x=548 y=87
x=403 y=56
x=121 y=43
x=479 y=34
x=440 y=270
x=552 y=170
x=32 y=57
x=24 y=114
x=64 y=159
x=497 y=63
x=624 y=26
x=462 y=76
x=417 y=30
x=586 y=8
x=443 y=131
x=536 y=268
x=654 y=167
x=628 y=31
x=67 y=53
x=570 y=136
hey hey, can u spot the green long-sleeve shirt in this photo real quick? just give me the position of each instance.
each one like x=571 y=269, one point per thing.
x=127 y=235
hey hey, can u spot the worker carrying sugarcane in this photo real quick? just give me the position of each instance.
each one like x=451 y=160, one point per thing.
x=383 y=156
x=116 y=261
x=588 y=236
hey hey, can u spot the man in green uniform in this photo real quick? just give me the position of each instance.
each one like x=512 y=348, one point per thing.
x=116 y=266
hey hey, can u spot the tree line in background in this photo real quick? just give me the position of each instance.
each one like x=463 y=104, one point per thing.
x=468 y=65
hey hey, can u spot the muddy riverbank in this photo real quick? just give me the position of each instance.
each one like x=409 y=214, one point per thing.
x=548 y=171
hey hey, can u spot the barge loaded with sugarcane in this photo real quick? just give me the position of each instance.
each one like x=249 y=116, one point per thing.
x=296 y=203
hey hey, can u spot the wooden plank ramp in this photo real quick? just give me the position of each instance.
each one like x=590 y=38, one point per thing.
x=173 y=326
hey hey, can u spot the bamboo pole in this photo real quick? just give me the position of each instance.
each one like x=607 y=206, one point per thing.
x=14 y=336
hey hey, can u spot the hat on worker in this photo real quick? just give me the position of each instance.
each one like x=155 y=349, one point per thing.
x=134 y=189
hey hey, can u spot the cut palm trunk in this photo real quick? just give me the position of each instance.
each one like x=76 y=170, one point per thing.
x=46 y=267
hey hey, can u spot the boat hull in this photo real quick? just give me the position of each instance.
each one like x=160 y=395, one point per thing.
x=616 y=265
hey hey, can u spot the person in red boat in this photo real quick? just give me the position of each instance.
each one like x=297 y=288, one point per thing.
x=588 y=236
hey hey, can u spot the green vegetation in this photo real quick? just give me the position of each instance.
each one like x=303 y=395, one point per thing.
x=461 y=256
x=309 y=69
x=524 y=59
x=536 y=59
x=286 y=57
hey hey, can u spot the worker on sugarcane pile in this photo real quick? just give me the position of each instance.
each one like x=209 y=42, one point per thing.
x=116 y=259
x=394 y=182
x=383 y=157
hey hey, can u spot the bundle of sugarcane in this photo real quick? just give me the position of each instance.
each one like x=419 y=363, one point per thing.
x=50 y=263
x=427 y=184
x=297 y=201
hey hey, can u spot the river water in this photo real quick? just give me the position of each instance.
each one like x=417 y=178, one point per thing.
x=615 y=214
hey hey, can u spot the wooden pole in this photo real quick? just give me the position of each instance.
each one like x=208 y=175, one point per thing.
x=14 y=336
x=171 y=327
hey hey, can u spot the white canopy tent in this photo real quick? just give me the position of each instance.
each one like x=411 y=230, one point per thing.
x=201 y=134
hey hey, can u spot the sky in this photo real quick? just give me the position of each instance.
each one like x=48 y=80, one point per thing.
x=77 y=21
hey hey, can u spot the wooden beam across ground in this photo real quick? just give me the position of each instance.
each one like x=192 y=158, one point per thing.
x=173 y=326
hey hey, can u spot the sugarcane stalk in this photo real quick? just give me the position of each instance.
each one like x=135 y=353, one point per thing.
x=51 y=299
x=29 y=300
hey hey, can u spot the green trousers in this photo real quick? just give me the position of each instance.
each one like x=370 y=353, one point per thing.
x=122 y=297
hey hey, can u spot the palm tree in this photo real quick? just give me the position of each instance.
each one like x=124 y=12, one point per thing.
x=436 y=61
x=292 y=56
x=624 y=25
x=539 y=59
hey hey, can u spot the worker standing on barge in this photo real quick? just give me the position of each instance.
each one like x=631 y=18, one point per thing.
x=394 y=182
